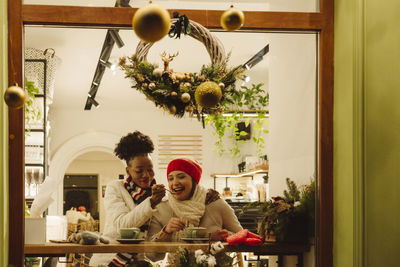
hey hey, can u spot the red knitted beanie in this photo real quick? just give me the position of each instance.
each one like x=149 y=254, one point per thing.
x=188 y=165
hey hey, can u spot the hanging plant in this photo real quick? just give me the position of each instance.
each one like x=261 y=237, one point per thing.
x=252 y=98
x=32 y=112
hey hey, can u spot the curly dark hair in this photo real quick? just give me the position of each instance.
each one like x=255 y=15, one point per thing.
x=132 y=145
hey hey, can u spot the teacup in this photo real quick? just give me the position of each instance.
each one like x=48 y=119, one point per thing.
x=129 y=233
x=195 y=232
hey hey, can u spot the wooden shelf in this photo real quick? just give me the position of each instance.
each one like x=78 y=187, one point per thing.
x=258 y=170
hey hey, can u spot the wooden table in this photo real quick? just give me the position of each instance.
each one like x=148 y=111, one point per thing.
x=60 y=249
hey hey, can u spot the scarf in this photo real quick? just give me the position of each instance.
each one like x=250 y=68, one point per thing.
x=138 y=194
x=192 y=209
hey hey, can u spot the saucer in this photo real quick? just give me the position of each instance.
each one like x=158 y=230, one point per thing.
x=130 y=240
x=195 y=240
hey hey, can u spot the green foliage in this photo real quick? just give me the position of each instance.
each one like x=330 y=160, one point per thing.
x=32 y=112
x=290 y=218
x=167 y=87
x=293 y=194
x=252 y=98
x=184 y=258
x=27 y=212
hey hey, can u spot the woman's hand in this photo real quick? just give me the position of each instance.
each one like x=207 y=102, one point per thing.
x=174 y=225
x=211 y=196
x=157 y=194
x=219 y=235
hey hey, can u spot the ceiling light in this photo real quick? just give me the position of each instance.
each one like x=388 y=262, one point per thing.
x=244 y=114
x=240 y=175
x=256 y=58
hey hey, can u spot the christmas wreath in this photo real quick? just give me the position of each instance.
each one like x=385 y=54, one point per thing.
x=208 y=92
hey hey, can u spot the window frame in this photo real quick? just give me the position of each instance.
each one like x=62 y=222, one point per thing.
x=20 y=14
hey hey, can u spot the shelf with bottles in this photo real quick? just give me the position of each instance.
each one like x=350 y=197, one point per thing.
x=243 y=186
x=34 y=177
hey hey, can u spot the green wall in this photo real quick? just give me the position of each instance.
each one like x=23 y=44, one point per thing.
x=343 y=131
x=382 y=135
x=366 y=133
x=3 y=138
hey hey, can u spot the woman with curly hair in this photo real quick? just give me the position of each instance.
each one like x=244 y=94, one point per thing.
x=130 y=202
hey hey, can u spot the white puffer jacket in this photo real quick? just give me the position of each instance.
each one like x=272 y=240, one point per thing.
x=121 y=212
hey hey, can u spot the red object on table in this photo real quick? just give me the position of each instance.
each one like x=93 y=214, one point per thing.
x=253 y=235
x=244 y=237
x=237 y=238
x=252 y=241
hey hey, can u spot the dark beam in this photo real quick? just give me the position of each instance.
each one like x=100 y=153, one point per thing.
x=122 y=17
x=16 y=182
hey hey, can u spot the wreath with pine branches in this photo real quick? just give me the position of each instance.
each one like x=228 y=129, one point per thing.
x=209 y=91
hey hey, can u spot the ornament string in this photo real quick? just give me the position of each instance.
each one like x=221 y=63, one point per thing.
x=181 y=24
x=202 y=120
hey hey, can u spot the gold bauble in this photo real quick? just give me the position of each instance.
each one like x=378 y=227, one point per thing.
x=157 y=72
x=172 y=110
x=208 y=94
x=152 y=86
x=174 y=94
x=15 y=96
x=151 y=23
x=185 y=97
x=189 y=108
x=232 y=19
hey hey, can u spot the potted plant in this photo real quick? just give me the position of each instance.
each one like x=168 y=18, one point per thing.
x=290 y=218
x=252 y=98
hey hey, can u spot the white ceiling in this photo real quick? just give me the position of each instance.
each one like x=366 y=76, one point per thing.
x=79 y=50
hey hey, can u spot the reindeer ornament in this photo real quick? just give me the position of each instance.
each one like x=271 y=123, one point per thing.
x=176 y=77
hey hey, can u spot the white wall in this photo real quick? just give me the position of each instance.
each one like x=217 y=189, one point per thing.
x=107 y=170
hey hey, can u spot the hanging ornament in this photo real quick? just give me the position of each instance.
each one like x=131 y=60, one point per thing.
x=208 y=94
x=202 y=78
x=174 y=94
x=151 y=22
x=221 y=85
x=157 y=72
x=232 y=19
x=152 y=86
x=185 y=97
x=172 y=110
x=189 y=108
x=15 y=96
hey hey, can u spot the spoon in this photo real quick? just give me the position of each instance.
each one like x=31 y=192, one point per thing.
x=170 y=191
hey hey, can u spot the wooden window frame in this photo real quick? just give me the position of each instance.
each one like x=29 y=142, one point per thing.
x=322 y=22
